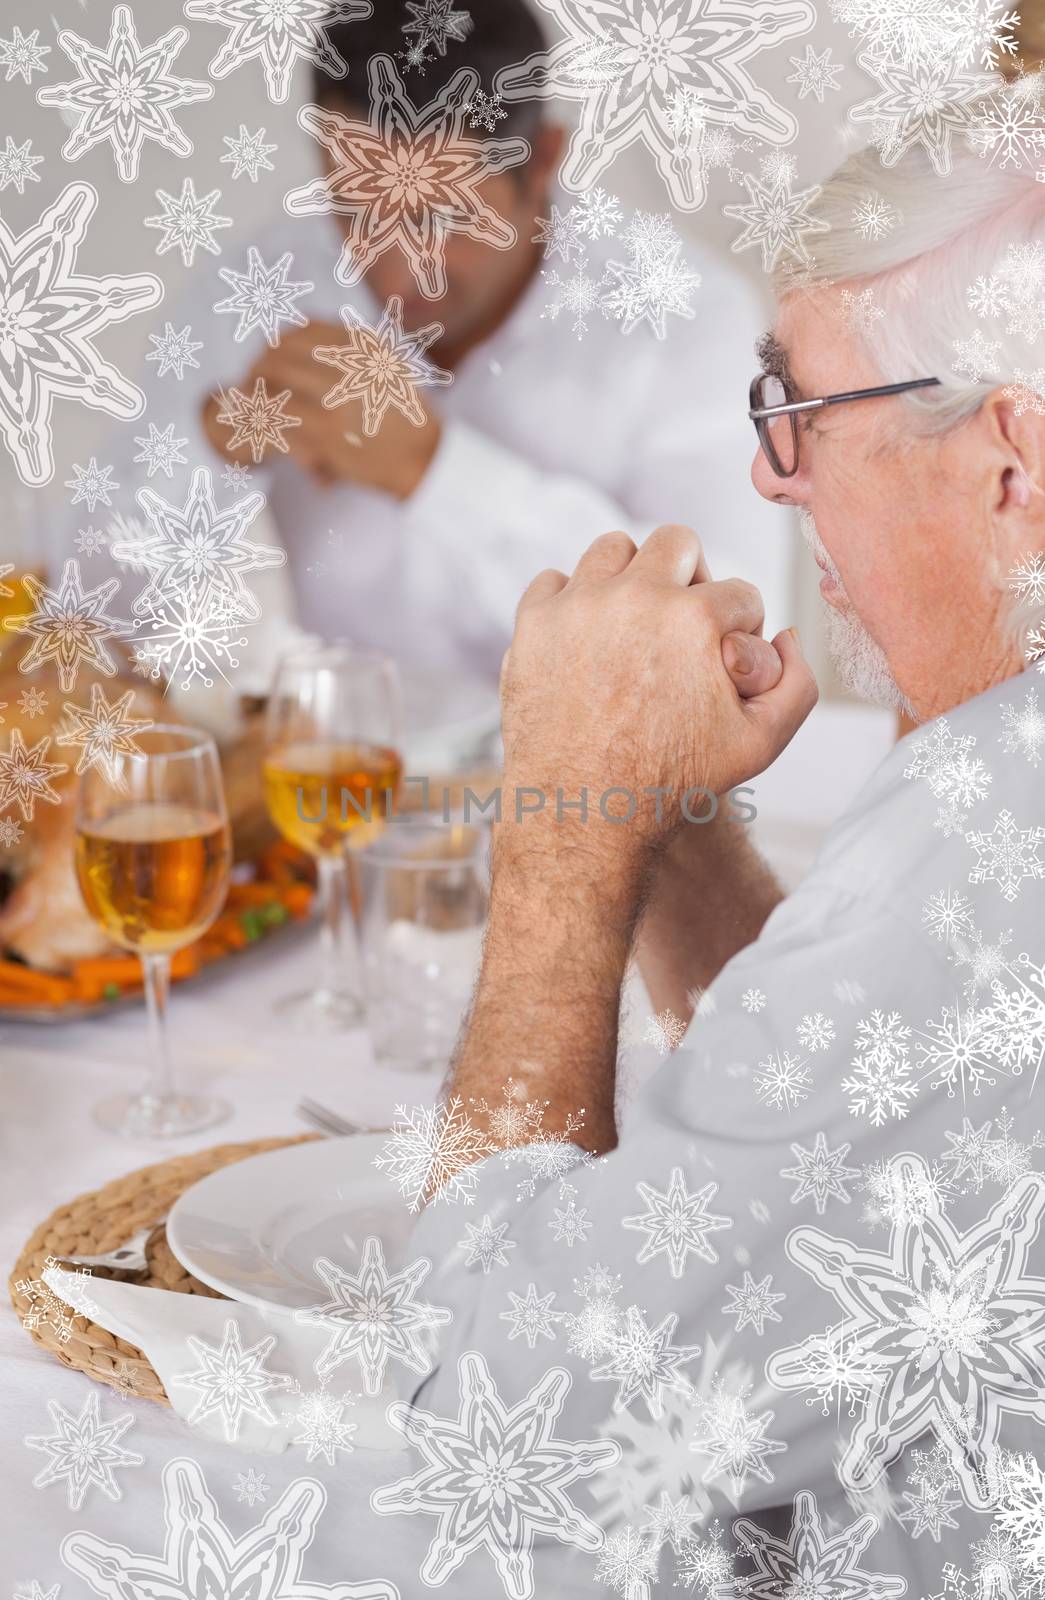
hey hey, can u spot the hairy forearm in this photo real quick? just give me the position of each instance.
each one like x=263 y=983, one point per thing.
x=710 y=897
x=562 y=918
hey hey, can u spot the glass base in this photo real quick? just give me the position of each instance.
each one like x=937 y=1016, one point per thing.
x=145 y=1117
x=321 y=1011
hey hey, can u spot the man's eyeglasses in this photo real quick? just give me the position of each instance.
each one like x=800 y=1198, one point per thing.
x=775 y=413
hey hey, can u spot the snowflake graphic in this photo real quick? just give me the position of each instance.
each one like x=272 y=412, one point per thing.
x=235 y=475
x=1015 y=290
x=976 y=357
x=10 y=832
x=783 y=1080
x=1027 y=392
x=495 y=1475
x=190 y=633
x=84 y=1451
x=677 y=1223
x=91 y=541
x=174 y=351
x=1036 y=648
x=22 y=55
x=812 y=1561
x=1020 y=1512
x=880 y=1084
x=899 y=1195
x=860 y=311
x=597 y=214
x=947 y=914
x=485 y=111
x=373 y=1316
x=383 y=366
x=921 y=102
x=231 y=1380
x=560 y=233
x=734 y=1437
x=958 y=1049
x=124 y=94
x=873 y=217
x=666 y=1031
x=579 y=294
x=46 y=1308
x=36 y=1591
x=161 y=451
x=753 y=1001
x=630 y=61
x=706 y=1567
x=670 y=1522
x=776 y=220
x=32 y=703
x=654 y=282
x=407 y=177
x=954 y=1323
x=251 y=1487
x=432 y=1152
x=1027 y=578
x=436 y=23
x=821 y=1173
x=1006 y=855
x=50 y=316
x=929 y=1510
x=1010 y=126
x=277 y=33
x=628 y=1564
x=263 y=297
x=103 y=733
x=188 y=222
x=248 y=153
x=323 y=1432
x=814 y=74
x=68 y=625
x=16 y=165
x=642 y=1361
x=257 y=420
x=753 y=1303
x=92 y=484
x=815 y=1032
x=530 y=1316
x=200 y=1554
x=571 y=1224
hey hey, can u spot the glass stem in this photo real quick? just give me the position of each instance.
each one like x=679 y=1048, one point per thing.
x=156 y=970
x=332 y=923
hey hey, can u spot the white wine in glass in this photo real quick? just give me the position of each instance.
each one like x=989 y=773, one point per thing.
x=153 y=854
x=331 y=767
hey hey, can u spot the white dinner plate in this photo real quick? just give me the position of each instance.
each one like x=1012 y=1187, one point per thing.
x=253 y=1230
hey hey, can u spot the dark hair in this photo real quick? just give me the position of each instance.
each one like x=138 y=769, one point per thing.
x=500 y=34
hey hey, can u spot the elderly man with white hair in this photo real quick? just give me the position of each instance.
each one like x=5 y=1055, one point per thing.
x=782 y=1332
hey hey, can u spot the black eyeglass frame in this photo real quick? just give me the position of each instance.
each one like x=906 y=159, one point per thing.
x=762 y=415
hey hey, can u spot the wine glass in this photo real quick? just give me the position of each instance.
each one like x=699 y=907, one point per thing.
x=331 y=768
x=153 y=853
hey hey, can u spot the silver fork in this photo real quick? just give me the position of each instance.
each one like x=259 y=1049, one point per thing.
x=329 y=1121
x=129 y=1257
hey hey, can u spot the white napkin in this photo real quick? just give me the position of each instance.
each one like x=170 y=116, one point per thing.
x=242 y=1374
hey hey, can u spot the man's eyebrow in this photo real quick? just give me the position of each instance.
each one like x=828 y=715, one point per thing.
x=775 y=362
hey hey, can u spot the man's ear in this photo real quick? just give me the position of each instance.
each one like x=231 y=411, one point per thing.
x=547 y=146
x=1016 y=432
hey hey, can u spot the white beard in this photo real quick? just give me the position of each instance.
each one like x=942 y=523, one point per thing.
x=859 y=660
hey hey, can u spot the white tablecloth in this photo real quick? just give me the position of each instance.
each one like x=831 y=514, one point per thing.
x=227 y=1038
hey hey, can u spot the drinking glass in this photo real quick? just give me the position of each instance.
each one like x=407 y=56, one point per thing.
x=331 y=770
x=153 y=853
x=425 y=890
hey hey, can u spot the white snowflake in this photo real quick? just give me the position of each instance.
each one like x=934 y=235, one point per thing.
x=92 y=484
x=1035 y=651
x=571 y=1224
x=190 y=635
x=437 y=23
x=1007 y=855
x=753 y=1000
x=258 y=420
x=896 y=1194
x=495 y=1475
x=161 y=452
x=753 y=1303
x=654 y=282
x=873 y=217
x=485 y=111
x=198 y=1543
x=103 y=733
x=1020 y=1514
x=670 y=1522
x=687 y=117
x=32 y=703
x=16 y=165
x=248 y=153
x=189 y=222
x=776 y=220
x=431 y=1153
x=68 y=625
x=580 y=294
x=251 y=1487
x=947 y=914
x=277 y=33
x=373 y=1316
x=597 y=214
x=560 y=233
x=627 y=1564
x=486 y=1244
x=815 y=1032
x=820 y=1173
x=383 y=366
x=322 y=1430
x=814 y=74
x=778 y=166
x=783 y=1080
x=879 y=1084
x=45 y=1307
x=958 y=1050
x=174 y=351
x=677 y=1223
x=1027 y=578
x=263 y=297
x=1027 y=391
x=84 y=1451
x=666 y=1031
x=231 y=1380
x=642 y=1361
x=236 y=475
x=929 y=1511
x=91 y=541
x=530 y=1316
x=734 y=1438
x=976 y=357
x=36 y=1591
x=1010 y=125
x=813 y=1561
x=22 y=55
x=921 y=102
x=125 y=94
x=10 y=832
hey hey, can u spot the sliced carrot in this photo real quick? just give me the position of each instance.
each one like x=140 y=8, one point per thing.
x=185 y=963
x=297 y=897
x=25 y=986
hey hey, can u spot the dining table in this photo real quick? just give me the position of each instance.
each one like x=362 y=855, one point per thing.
x=229 y=1040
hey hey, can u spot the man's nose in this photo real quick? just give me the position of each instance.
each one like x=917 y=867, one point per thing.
x=782 y=491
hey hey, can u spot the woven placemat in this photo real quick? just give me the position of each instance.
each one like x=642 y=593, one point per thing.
x=97 y=1222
